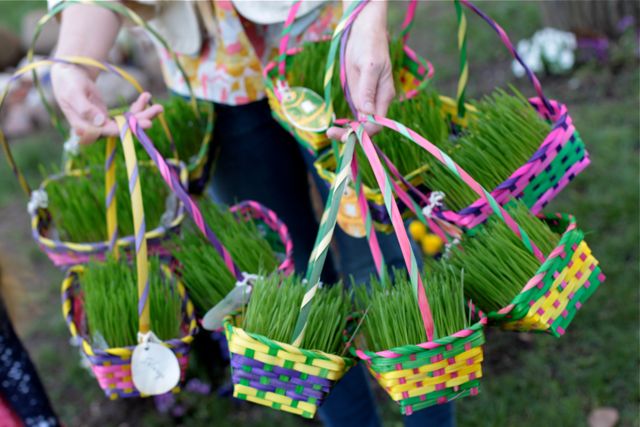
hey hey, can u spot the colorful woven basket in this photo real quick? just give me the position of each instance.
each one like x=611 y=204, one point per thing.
x=283 y=376
x=278 y=375
x=434 y=372
x=560 y=157
x=414 y=74
x=245 y=209
x=564 y=282
x=196 y=163
x=112 y=366
x=65 y=254
x=439 y=370
x=568 y=276
x=72 y=253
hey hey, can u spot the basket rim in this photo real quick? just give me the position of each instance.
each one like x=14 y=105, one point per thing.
x=396 y=352
x=229 y=325
x=73 y=274
x=91 y=248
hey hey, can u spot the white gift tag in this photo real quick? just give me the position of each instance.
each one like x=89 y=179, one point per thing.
x=154 y=368
x=234 y=300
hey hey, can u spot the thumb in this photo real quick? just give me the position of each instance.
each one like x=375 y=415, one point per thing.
x=89 y=112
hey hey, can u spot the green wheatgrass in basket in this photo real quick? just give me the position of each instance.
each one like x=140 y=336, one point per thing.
x=110 y=301
x=391 y=314
x=495 y=261
x=186 y=129
x=421 y=113
x=275 y=305
x=307 y=68
x=505 y=133
x=77 y=203
x=203 y=270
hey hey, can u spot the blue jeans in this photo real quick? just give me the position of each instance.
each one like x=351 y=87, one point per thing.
x=258 y=160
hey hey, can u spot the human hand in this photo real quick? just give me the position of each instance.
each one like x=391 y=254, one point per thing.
x=368 y=66
x=81 y=103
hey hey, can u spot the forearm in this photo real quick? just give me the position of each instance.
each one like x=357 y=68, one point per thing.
x=374 y=13
x=88 y=31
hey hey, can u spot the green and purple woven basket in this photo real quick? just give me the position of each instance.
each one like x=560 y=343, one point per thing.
x=278 y=375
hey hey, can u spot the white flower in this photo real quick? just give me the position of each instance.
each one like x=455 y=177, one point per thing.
x=566 y=60
x=548 y=46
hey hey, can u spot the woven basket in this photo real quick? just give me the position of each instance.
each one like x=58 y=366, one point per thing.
x=280 y=376
x=439 y=370
x=112 y=366
x=560 y=157
x=283 y=376
x=196 y=163
x=567 y=276
x=64 y=254
x=435 y=372
x=414 y=74
x=560 y=287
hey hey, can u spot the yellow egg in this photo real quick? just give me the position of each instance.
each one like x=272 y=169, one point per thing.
x=431 y=244
x=417 y=230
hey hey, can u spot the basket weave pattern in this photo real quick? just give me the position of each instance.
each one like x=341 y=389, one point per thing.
x=562 y=285
x=112 y=366
x=423 y=375
x=280 y=375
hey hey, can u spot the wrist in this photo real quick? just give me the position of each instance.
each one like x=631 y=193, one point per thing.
x=372 y=18
x=90 y=72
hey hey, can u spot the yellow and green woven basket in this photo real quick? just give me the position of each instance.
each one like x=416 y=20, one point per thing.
x=560 y=287
x=431 y=373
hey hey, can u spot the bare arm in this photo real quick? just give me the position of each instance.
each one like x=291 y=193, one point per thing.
x=368 y=64
x=88 y=31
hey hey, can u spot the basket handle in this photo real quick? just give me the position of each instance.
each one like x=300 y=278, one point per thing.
x=176 y=186
x=385 y=183
x=464 y=67
x=323 y=238
x=32 y=67
x=256 y=210
x=137 y=208
x=125 y=12
x=443 y=158
x=110 y=197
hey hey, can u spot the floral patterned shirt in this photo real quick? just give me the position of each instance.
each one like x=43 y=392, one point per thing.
x=228 y=69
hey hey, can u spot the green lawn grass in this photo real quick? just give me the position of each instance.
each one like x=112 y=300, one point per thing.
x=532 y=380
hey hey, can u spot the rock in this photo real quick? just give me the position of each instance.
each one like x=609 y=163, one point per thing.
x=48 y=36
x=11 y=51
x=17 y=122
x=604 y=417
x=117 y=92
